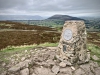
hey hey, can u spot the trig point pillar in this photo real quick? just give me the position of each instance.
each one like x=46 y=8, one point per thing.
x=72 y=44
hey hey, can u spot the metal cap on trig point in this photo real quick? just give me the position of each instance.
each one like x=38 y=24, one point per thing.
x=67 y=34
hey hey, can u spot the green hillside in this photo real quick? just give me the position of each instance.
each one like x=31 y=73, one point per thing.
x=63 y=17
x=53 y=21
x=59 y=20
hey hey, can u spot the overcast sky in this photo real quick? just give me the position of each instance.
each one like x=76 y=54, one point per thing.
x=50 y=7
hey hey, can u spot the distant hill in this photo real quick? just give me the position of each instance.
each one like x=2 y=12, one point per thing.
x=53 y=21
x=63 y=17
x=20 y=17
x=8 y=25
x=92 y=24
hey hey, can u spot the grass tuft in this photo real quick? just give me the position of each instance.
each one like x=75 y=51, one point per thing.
x=95 y=50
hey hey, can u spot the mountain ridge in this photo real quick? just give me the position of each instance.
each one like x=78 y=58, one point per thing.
x=64 y=17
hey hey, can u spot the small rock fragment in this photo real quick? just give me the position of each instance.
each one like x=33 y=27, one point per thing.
x=72 y=68
x=55 y=69
x=62 y=64
x=14 y=69
x=66 y=71
x=3 y=64
x=24 y=71
x=50 y=62
x=33 y=74
x=79 y=72
x=94 y=57
x=97 y=70
x=23 y=58
x=43 y=71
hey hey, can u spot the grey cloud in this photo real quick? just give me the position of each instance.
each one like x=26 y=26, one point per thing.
x=63 y=6
x=7 y=4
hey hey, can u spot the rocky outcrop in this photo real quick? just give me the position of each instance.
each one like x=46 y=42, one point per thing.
x=44 y=62
x=70 y=58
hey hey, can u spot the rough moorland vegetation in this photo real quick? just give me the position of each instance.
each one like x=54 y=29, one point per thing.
x=35 y=35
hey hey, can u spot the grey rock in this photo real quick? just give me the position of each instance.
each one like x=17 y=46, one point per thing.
x=24 y=71
x=92 y=70
x=31 y=70
x=65 y=61
x=19 y=66
x=45 y=64
x=43 y=71
x=12 y=74
x=50 y=62
x=62 y=64
x=55 y=69
x=97 y=71
x=62 y=74
x=23 y=58
x=88 y=57
x=3 y=64
x=79 y=72
x=90 y=73
x=4 y=73
x=43 y=57
x=94 y=57
x=86 y=68
x=33 y=74
x=48 y=66
x=46 y=55
x=40 y=58
x=73 y=68
x=14 y=68
x=94 y=64
x=66 y=70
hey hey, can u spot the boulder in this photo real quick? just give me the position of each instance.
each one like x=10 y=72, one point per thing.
x=19 y=66
x=43 y=71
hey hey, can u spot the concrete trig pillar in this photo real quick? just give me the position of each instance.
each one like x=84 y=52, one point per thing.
x=72 y=44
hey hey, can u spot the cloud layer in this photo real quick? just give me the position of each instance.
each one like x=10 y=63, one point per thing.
x=50 y=7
